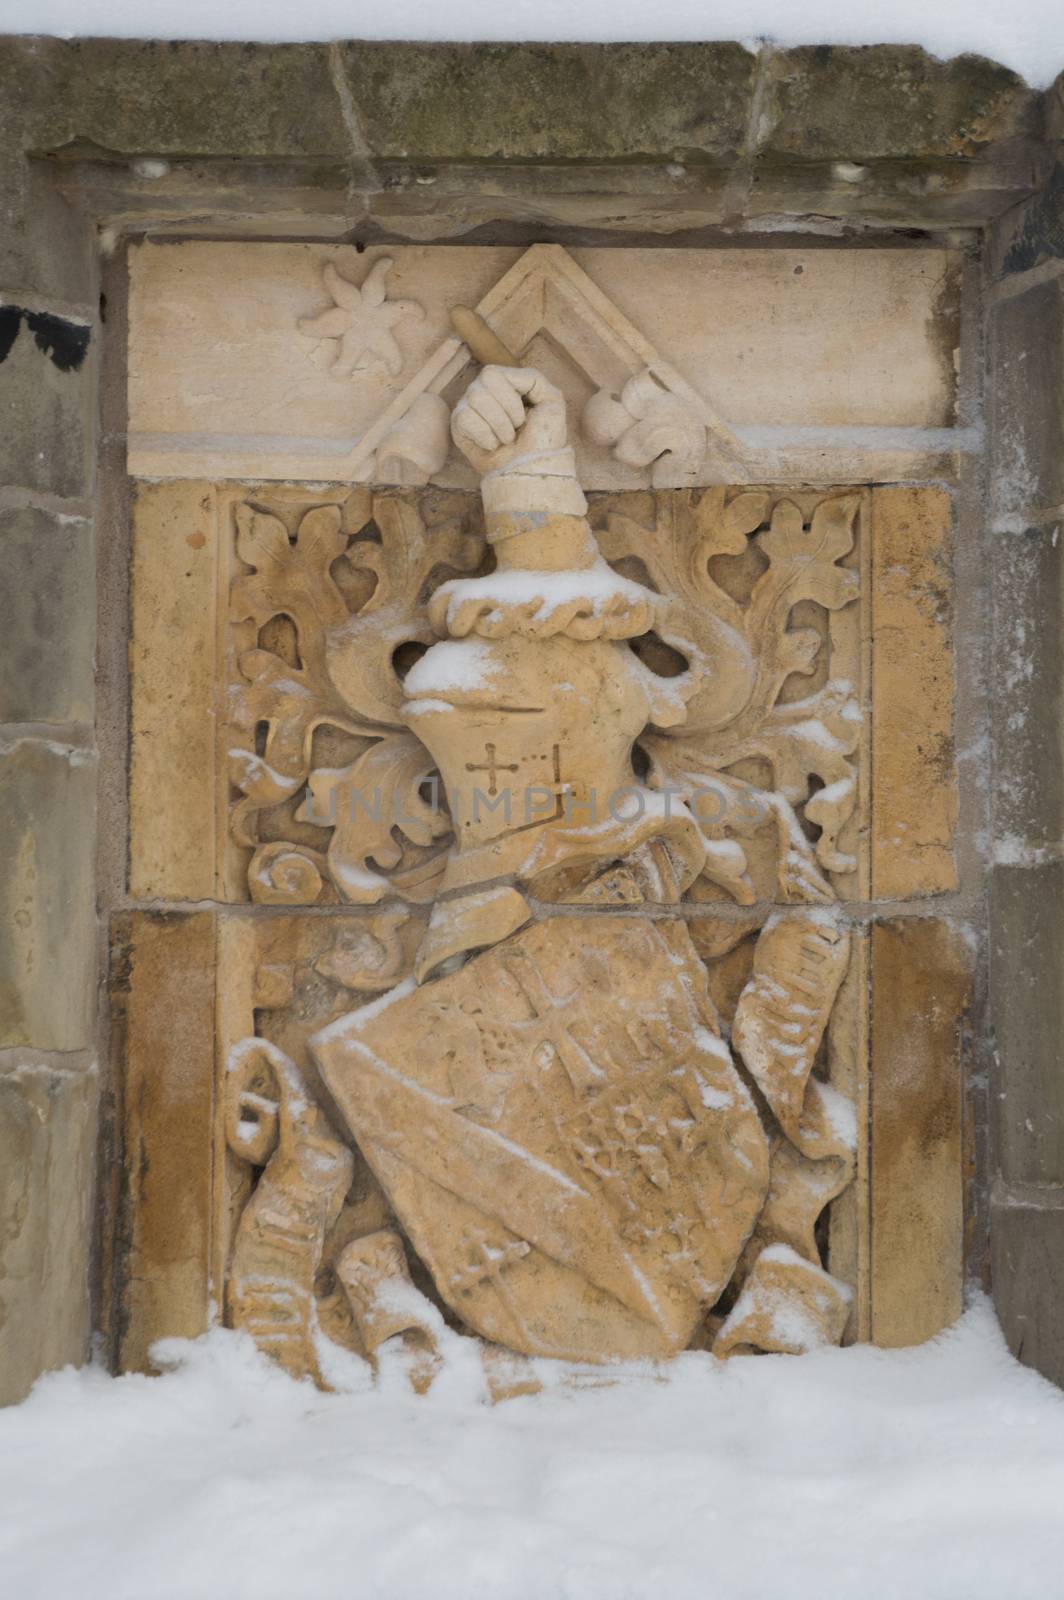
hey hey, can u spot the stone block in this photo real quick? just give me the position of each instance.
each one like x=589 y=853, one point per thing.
x=1027 y=1004
x=46 y=247
x=889 y=102
x=47 y=1149
x=914 y=799
x=1028 y=673
x=921 y=987
x=1027 y=400
x=175 y=696
x=47 y=618
x=755 y=333
x=46 y=402
x=188 y=98
x=552 y=102
x=888 y=134
x=169 y=1134
x=48 y=957
x=1033 y=233
x=1027 y=1253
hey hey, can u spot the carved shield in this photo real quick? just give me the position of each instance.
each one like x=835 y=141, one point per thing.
x=563 y=1135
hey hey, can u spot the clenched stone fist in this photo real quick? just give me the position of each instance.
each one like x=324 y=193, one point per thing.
x=507 y=415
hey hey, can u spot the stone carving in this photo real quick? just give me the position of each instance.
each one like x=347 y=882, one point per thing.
x=746 y=338
x=571 y=1148
x=358 y=325
x=415 y=448
x=384 y=1303
x=270 y=1122
x=659 y=422
x=646 y=425
x=739 y=657
x=336 y=671
x=563 y=1136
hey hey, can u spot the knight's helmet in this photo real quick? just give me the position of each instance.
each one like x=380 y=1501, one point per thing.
x=531 y=702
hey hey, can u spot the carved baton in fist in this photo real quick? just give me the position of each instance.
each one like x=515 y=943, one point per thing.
x=492 y=426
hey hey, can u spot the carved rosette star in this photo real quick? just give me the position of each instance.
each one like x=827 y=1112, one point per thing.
x=360 y=321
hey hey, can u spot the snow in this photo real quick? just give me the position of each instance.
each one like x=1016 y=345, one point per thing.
x=454 y=664
x=355 y=1021
x=936 y=1472
x=358 y=881
x=840 y=1113
x=1027 y=35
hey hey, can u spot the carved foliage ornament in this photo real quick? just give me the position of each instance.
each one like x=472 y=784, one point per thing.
x=572 y=1149
x=339 y=674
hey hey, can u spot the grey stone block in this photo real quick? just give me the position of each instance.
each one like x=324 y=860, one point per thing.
x=46 y=400
x=45 y=247
x=47 y=618
x=1032 y=233
x=1027 y=1008
x=1027 y=655
x=1027 y=400
x=47 y=1149
x=890 y=102
x=552 y=102
x=152 y=97
x=1027 y=1264
x=887 y=134
x=47 y=901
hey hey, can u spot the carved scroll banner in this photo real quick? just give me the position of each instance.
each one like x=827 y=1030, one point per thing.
x=281 y=1234
x=787 y=1301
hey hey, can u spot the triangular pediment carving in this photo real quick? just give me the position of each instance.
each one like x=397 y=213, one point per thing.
x=642 y=408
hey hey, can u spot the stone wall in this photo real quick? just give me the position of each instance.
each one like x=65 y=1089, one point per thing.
x=1026 y=360
x=102 y=139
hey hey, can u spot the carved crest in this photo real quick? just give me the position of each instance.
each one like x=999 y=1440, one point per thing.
x=335 y=595
x=548 y=1102
x=564 y=1136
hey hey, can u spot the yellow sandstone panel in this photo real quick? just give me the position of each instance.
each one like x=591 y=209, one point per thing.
x=914 y=797
x=920 y=991
x=176 y=689
x=168 y=1099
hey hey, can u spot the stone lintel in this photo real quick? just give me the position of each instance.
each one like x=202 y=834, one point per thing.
x=878 y=133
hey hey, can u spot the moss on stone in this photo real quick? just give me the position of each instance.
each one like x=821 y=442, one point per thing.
x=196 y=99
x=874 y=102
x=516 y=102
x=552 y=102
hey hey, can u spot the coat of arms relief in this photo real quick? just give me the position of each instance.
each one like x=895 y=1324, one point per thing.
x=589 y=770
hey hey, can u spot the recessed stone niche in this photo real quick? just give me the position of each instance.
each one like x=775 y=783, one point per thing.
x=542 y=799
